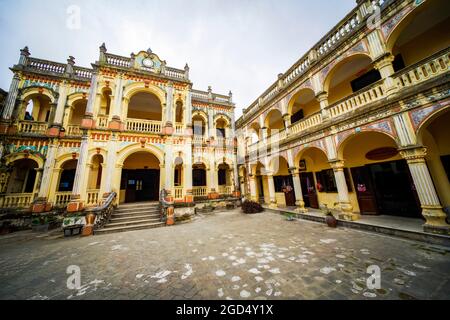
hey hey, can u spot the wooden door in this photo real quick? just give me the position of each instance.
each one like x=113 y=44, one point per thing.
x=364 y=190
x=309 y=190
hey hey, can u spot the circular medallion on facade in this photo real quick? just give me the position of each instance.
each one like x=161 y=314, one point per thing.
x=148 y=63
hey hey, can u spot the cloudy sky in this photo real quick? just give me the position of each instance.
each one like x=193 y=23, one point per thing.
x=237 y=45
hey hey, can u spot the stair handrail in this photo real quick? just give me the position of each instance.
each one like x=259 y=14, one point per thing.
x=103 y=213
x=164 y=204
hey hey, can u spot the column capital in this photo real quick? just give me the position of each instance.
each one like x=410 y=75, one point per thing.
x=384 y=61
x=322 y=96
x=414 y=155
x=294 y=171
x=337 y=165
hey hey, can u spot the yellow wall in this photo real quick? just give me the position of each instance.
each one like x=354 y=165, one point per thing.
x=141 y=160
x=426 y=44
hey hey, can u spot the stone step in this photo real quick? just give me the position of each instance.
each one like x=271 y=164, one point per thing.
x=134 y=214
x=139 y=205
x=115 y=219
x=131 y=223
x=130 y=228
x=142 y=210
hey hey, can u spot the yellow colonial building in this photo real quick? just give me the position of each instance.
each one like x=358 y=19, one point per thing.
x=71 y=136
x=361 y=122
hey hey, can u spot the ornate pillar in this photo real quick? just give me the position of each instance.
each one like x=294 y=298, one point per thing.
x=111 y=159
x=431 y=207
x=384 y=65
x=322 y=97
x=115 y=116
x=63 y=88
x=168 y=164
x=273 y=199
x=11 y=98
x=287 y=122
x=41 y=204
x=253 y=194
x=344 y=198
x=212 y=128
x=76 y=202
x=298 y=190
x=168 y=124
x=88 y=121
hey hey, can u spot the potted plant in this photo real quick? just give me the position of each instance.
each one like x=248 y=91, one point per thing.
x=329 y=219
x=290 y=216
x=40 y=223
x=250 y=207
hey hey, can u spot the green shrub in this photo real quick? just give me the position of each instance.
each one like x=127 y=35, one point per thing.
x=250 y=207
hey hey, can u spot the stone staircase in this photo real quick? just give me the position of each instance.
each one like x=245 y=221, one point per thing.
x=134 y=216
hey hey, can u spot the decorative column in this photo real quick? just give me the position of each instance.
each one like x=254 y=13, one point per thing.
x=431 y=207
x=168 y=125
x=344 y=198
x=88 y=121
x=14 y=87
x=111 y=159
x=253 y=194
x=298 y=190
x=188 y=114
x=211 y=126
x=59 y=113
x=11 y=98
x=115 y=116
x=384 y=65
x=213 y=177
x=287 y=122
x=168 y=164
x=273 y=199
x=322 y=97
x=41 y=204
x=76 y=201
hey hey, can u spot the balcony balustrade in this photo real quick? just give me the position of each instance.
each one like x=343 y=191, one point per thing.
x=33 y=127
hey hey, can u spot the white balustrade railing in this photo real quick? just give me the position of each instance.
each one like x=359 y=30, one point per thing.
x=62 y=199
x=179 y=128
x=338 y=33
x=200 y=95
x=102 y=122
x=225 y=190
x=357 y=100
x=174 y=73
x=199 y=191
x=199 y=140
x=74 y=130
x=178 y=193
x=118 y=60
x=297 y=71
x=83 y=72
x=20 y=200
x=33 y=127
x=93 y=197
x=426 y=69
x=306 y=123
x=144 y=126
x=47 y=66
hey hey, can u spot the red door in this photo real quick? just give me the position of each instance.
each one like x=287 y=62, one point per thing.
x=309 y=190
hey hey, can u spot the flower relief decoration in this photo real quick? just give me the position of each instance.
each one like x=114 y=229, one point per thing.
x=148 y=61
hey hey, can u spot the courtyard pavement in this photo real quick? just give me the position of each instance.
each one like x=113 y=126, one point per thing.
x=224 y=256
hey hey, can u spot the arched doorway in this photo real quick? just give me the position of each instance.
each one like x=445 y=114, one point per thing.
x=67 y=177
x=224 y=178
x=145 y=106
x=274 y=122
x=283 y=182
x=381 y=178
x=37 y=108
x=317 y=178
x=199 y=183
x=23 y=176
x=303 y=105
x=140 y=179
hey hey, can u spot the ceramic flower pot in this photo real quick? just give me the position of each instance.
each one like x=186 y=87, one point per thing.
x=331 y=221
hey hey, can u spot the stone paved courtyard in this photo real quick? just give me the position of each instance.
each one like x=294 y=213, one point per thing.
x=224 y=256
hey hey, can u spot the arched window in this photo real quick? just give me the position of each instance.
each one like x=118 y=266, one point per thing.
x=145 y=106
